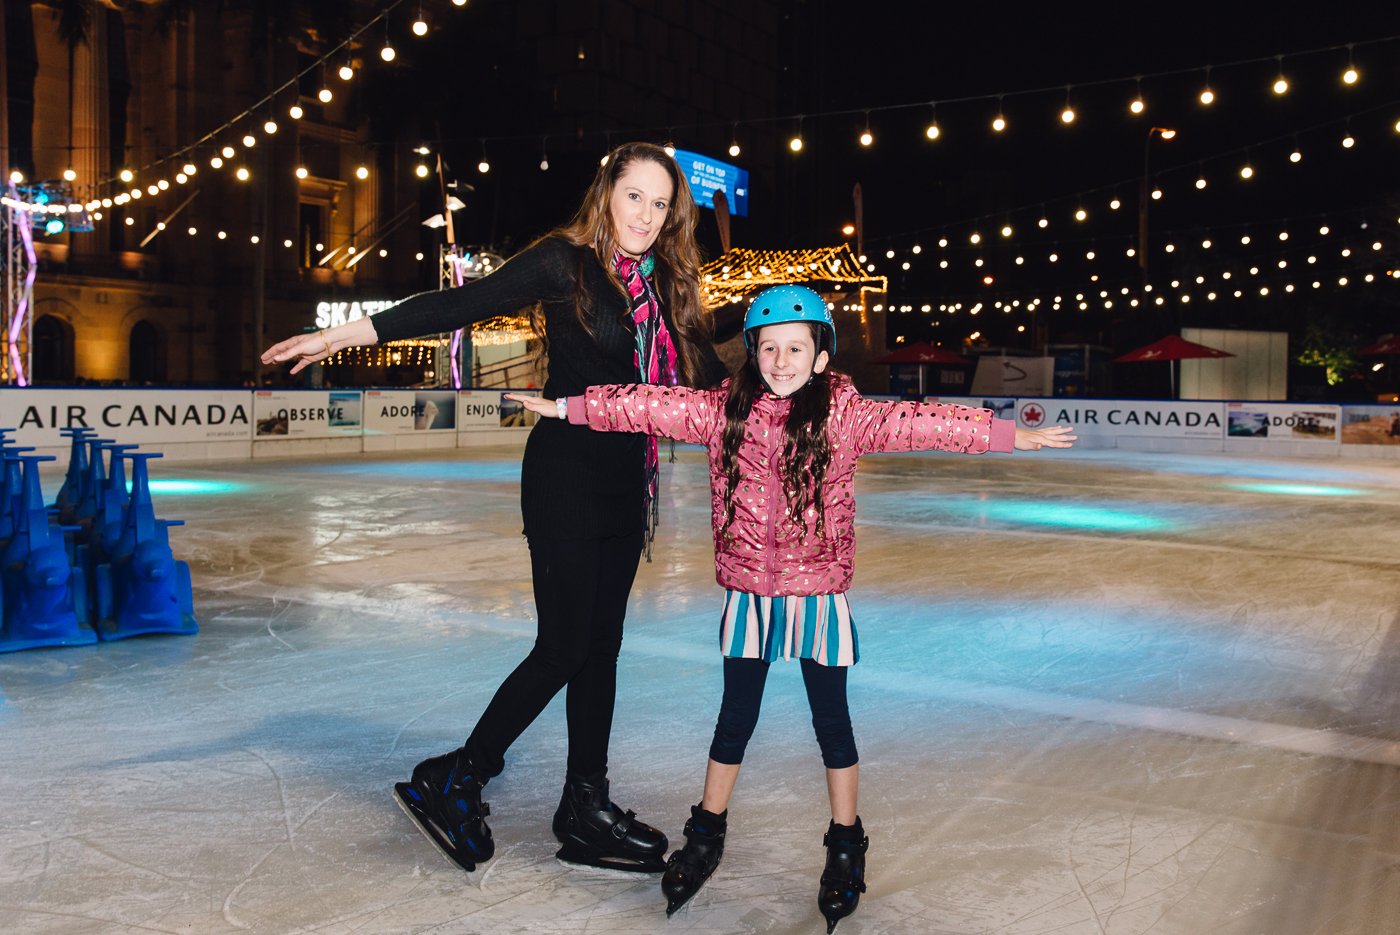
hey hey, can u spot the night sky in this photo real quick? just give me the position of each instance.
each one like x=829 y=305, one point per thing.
x=875 y=57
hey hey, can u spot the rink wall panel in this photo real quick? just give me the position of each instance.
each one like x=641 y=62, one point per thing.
x=191 y=424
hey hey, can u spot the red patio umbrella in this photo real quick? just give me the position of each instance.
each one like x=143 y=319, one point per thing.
x=1169 y=349
x=921 y=354
x=1390 y=345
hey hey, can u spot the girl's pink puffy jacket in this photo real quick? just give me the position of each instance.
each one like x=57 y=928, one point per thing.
x=766 y=550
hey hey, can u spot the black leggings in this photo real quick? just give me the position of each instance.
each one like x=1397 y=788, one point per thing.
x=581 y=589
x=743 y=693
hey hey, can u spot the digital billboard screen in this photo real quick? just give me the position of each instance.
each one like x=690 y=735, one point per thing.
x=707 y=176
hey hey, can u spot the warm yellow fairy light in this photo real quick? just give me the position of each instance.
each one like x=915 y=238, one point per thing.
x=420 y=28
x=483 y=167
x=1067 y=115
x=849 y=229
x=387 y=53
x=301 y=172
x=1207 y=96
x=1348 y=141
x=1081 y=215
x=362 y=172
x=223 y=235
x=734 y=149
x=1295 y=156
x=1351 y=75
x=346 y=72
x=916 y=249
x=287 y=243
x=1156 y=194
x=975 y=237
x=1043 y=223
x=151 y=189
x=69 y=174
x=270 y=127
x=163 y=185
x=249 y=140
x=295 y=112
x=1246 y=171
x=421 y=171
x=866 y=138
x=1280 y=85
x=1137 y=106
x=932 y=131
x=999 y=124
x=1006 y=231
x=189 y=168
x=795 y=144
x=227 y=152
x=1115 y=204
x=242 y=173
x=126 y=175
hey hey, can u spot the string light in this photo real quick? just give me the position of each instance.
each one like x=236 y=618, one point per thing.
x=1280 y=83
x=270 y=127
x=932 y=131
x=484 y=166
x=295 y=112
x=346 y=72
x=1351 y=75
x=249 y=140
x=126 y=175
x=999 y=121
x=243 y=174
x=216 y=162
x=362 y=172
x=1137 y=105
x=421 y=170
x=1067 y=115
x=866 y=137
x=420 y=25
x=1207 y=97
x=387 y=53
x=301 y=172
x=734 y=141
x=795 y=144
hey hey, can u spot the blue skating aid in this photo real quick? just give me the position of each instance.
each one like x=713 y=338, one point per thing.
x=11 y=493
x=45 y=597
x=142 y=588
x=94 y=488
x=71 y=491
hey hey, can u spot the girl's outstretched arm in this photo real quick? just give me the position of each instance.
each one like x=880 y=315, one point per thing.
x=909 y=426
x=677 y=412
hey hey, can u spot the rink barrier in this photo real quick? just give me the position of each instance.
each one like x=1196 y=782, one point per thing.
x=226 y=423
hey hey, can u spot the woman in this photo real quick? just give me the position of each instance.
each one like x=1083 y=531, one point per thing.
x=615 y=296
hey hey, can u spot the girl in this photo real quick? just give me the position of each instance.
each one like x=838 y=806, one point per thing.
x=783 y=435
x=614 y=294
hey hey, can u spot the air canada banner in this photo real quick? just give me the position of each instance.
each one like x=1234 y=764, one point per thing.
x=306 y=413
x=405 y=412
x=127 y=416
x=1371 y=424
x=1125 y=417
x=480 y=410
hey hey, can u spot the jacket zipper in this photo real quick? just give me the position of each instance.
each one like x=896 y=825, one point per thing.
x=774 y=485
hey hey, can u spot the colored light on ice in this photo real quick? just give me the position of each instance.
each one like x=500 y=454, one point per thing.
x=1299 y=490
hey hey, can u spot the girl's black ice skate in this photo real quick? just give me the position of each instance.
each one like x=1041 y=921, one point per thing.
x=688 y=868
x=596 y=833
x=443 y=798
x=843 y=880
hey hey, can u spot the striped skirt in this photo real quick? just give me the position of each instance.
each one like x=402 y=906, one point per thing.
x=819 y=628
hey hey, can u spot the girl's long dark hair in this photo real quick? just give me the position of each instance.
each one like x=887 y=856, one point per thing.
x=806 y=449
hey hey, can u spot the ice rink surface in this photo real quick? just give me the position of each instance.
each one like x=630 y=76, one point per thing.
x=1101 y=692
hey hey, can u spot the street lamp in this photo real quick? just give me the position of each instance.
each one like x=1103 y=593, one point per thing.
x=1144 y=197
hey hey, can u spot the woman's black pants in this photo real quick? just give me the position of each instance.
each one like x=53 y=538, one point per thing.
x=581 y=589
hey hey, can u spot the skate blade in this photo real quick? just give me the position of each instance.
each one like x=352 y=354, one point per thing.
x=428 y=829
x=577 y=856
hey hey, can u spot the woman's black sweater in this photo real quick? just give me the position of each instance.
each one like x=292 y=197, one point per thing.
x=574 y=483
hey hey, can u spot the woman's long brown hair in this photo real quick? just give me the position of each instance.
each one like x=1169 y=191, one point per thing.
x=675 y=251
x=806 y=449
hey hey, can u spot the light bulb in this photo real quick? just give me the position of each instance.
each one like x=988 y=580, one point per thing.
x=324 y=95
x=866 y=138
x=227 y=152
x=1067 y=115
x=1081 y=214
x=163 y=185
x=151 y=189
x=270 y=127
x=670 y=150
x=126 y=176
x=223 y=235
x=287 y=243
x=483 y=167
x=1280 y=85
x=1043 y=222
x=1247 y=171
x=362 y=172
x=455 y=3
x=192 y=231
x=420 y=28
x=249 y=140
x=933 y=132
x=301 y=172
x=387 y=53
x=1115 y=204
x=1200 y=183
x=1156 y=194
x=1137 y=106
x=999 y=123
x=254 y=239
x=1006 y=231
x=295 y=112
x=734 y=149
x=346 y=72
x=1351 y=75
x=421 y=171
x=217 y=162
x=1295 y=156
x=544 y=164
x=1348 y=141
x=242 y=173
x=1207 y=97
x=795 y=144
x=188 y=168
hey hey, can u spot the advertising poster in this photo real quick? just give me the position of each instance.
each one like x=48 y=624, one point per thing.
x=1284 y=422
x=487 y=411
x=1371 y=425
x=285 y=413
x=129 y=416
x=404 y=412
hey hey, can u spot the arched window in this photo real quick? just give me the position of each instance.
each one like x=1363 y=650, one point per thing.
x=51 y=344
x=147 y=354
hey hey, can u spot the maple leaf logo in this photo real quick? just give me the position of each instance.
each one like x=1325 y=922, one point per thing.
x=1032 y=414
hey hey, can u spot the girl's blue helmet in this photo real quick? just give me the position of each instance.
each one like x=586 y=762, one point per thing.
x=778 y=304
